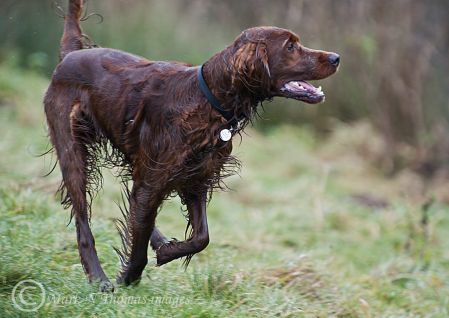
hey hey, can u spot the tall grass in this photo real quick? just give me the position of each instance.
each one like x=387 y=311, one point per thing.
x=290 y=240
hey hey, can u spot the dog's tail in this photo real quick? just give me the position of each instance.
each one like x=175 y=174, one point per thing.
x=72 y=37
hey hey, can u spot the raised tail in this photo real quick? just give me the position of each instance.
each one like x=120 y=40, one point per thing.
x=72 y=37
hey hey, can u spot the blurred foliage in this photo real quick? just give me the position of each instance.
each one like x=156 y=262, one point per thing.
x=394 y=57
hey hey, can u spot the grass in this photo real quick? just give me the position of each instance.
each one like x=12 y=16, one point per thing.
x=294 y=238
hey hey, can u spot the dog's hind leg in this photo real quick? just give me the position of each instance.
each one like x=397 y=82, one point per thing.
x=157 y=239
x=62 y=116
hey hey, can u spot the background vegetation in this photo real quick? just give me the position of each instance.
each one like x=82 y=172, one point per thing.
x=341 y=209
x=394 y=57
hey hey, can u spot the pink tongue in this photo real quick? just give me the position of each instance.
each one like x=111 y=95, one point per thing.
x=307 y=86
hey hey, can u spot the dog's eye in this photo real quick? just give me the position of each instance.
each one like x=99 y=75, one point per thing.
x=290 y=46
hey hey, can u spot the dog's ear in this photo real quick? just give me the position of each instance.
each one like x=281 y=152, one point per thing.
x=251 y=60
x=262 y=56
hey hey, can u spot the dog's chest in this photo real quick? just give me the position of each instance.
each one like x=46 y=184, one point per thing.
x=206 y=163
x=210 y=158
x=204 y=156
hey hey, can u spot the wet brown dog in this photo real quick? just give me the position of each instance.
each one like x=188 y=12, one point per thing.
x=168 y=125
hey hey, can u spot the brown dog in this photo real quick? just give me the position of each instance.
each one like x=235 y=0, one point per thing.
x=168 y=125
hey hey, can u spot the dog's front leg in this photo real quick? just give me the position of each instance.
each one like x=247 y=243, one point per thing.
x=196 y=206
x=143 y=204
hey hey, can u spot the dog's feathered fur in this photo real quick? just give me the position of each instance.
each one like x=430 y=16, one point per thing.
x=105 y=107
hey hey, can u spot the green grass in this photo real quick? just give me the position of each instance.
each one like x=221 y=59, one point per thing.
x=287 y=241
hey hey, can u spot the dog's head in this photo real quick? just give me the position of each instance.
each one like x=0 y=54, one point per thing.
x=273 y=59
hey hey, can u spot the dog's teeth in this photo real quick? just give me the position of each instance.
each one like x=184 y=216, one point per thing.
x=319 y=89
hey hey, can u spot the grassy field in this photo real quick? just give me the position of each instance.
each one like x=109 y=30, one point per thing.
x=308 y=230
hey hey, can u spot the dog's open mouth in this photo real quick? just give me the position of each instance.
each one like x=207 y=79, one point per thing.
x=303 y=91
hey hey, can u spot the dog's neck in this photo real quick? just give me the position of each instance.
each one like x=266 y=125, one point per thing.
x=236 y=94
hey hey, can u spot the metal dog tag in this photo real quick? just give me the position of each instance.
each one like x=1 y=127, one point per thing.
x=225 y=135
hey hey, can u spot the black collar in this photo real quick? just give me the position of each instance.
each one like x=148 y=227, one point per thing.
x=227 y=114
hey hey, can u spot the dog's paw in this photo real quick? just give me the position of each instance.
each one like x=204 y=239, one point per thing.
x=127 y=279
x=165 y=253
x=161 y=259
x=106 y=286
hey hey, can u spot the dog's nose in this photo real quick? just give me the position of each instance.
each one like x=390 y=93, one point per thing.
x=334 y=59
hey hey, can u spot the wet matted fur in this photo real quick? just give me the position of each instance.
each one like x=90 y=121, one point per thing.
x=109 y=108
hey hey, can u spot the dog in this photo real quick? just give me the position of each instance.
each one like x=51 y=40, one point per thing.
x=168 y=126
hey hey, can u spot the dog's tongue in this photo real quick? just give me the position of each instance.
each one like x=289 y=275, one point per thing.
x=308 y=86
x=299 y=86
